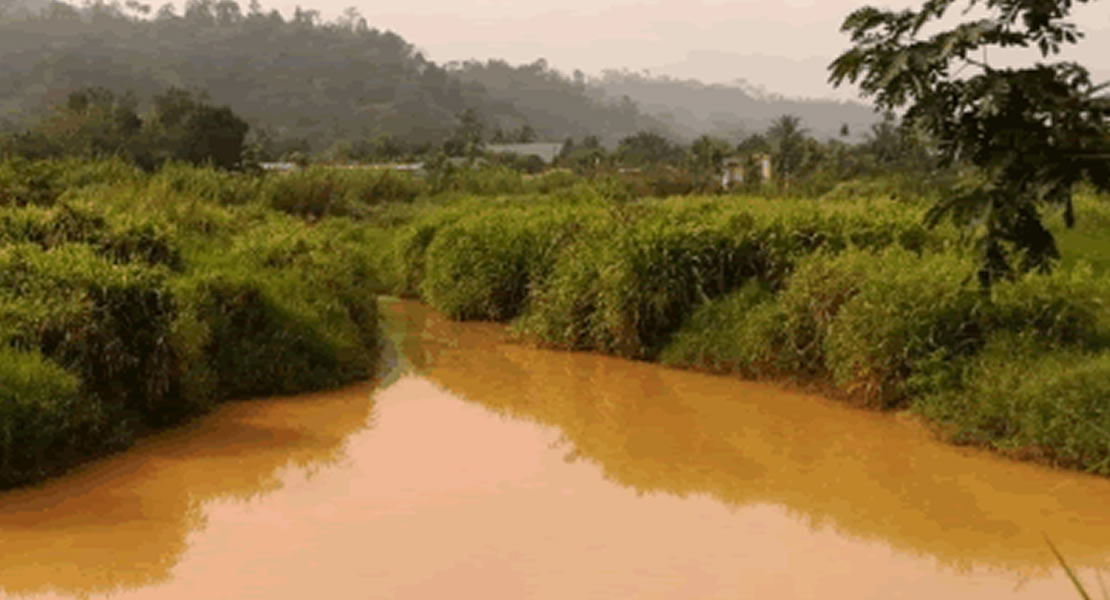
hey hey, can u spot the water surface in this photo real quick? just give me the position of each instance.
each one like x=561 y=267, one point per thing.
x=483 y=468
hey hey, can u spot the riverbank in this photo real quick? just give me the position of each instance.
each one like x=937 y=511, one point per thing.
x=131 y=302
x=854 y=296
x=543 y=464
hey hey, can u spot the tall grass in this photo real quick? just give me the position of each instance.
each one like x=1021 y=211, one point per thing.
x=135 y=303
x=853 y=294
x=484 y=266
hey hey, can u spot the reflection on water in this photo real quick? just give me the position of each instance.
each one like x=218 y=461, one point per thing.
x=867 y=474
x=502 y=471
x=123 y=522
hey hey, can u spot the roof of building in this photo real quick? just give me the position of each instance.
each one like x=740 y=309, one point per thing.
x=547 y=151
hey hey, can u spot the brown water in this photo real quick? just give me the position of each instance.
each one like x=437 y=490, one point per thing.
x=484 y=469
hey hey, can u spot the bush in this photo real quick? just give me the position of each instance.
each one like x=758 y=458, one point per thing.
x=1031 y=401
x=486 y=181
x=663 y=258
x=562 y=312
x=320 y=191
x=108 y=323
x=484 y=266
x=125 y=237
x=717 y=335
x=552 y=181
x=207 y=183
x=808 y=304
x=42 y=415
x=906 y=312
x=655 y=271
x=42 y=182
x=1063 y=308
x=406 y=256
x=285 y=309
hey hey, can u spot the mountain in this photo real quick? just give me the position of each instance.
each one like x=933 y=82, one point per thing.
x=314 y=83
x=693 y=108
x=555 y=105
x=294 y=79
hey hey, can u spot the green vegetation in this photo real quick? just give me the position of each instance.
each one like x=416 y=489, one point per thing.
x=1031 y=134
x=131 y=301
x=148 y=298
x=853 y=294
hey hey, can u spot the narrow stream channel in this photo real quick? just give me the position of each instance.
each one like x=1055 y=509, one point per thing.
x=479 y=468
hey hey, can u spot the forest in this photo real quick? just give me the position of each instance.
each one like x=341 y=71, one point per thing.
x=303 y=84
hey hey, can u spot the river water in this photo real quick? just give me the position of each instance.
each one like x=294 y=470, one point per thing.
x=480 y=468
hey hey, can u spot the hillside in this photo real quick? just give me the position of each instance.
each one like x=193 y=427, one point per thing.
x=303 y=83
x=299 y=79
x=694 y=108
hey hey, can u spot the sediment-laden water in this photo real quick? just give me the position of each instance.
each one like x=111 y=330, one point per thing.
x=479 y=468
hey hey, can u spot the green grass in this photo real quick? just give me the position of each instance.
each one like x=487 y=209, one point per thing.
x=152 y=297
x=853 y=293
x=131 y=301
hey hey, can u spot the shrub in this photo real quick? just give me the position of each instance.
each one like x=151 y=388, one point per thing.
x=906 y=312
x=1063 y=307
x=328 y=191
x=484 y=266
x=217 y=186
x=810 y=302
x=42 y=182
x=1031 y=401
x=108 y=323
x=125 y=237
x=562 y=312
x=717 y=335
x=663 y=258
x=552 y=181
x=656 y=270
x=42 y=415
x=406 y=256
x=285 y=309
x=487 y=181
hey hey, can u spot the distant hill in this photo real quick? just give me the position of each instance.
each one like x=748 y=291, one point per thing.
x=318 y=83
x=296 y=79
x=554 y=104
x=693 y=108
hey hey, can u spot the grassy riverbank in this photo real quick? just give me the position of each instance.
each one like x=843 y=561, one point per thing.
x=130 y=302
x=851 y=295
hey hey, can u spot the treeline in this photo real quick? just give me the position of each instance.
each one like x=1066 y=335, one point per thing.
x=300 y=82
x=96 y=122
x=184 y=126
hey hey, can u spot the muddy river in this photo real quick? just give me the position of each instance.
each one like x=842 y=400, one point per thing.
x=479 y=468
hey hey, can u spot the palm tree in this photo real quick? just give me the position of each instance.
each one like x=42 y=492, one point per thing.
x=787 y=140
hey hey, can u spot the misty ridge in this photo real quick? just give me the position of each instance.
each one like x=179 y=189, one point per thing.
x=305 y=85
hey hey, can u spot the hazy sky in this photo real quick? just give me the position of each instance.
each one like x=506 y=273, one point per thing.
x=783 y=46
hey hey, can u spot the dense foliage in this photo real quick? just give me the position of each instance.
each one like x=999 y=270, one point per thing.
x=130 y=301
x=852 y=294
x=1031 y=133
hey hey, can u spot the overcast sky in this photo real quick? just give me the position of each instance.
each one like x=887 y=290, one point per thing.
x=783 y=46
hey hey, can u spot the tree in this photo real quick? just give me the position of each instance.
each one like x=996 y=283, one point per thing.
x=787 y=141
x=525 y=134
x=707 y=155
x=185 y=127
x=647 y=148
x=468 y=135
x=90 y=122
x=1031 y=133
